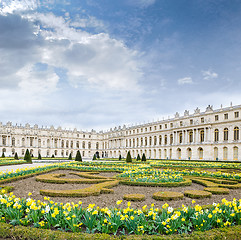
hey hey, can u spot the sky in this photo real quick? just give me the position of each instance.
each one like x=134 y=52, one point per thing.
x=97 y=64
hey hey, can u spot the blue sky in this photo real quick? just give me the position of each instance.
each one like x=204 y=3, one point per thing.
x=104 y=63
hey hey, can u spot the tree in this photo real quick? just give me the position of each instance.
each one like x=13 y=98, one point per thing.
x=70 y=157
x=16 y=156
x=78 y=157
x=27 y=157
x=52 y=156
x=128 y=157
x=120 y=158
x=3 y=155
x=138 y=157
x=143 y=159
x=39 y=156
x=94 y=157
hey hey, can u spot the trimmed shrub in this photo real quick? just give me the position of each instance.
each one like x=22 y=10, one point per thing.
x=94 y=157
x=134 y=197
x=143 y=158
x=39 y=156
x=128 y=157
x=120 y=158
x=3 y=155
x=167 y=195
x=27 y=157
x=78 y=157
x=217 y=190
x=16 y=156
x=52 y=156
x=197 y=194
x=138 y=157
x=70 y=157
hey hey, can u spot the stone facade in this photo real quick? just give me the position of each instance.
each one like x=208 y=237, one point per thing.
x=211 y=135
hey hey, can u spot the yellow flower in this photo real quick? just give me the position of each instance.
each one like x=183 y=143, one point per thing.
x=29 y=194
x=193 y=201
x=210 y=215
x=183 y=219
x=95 y=212
x=218 y=221
x=132 y=218
x=119 y=202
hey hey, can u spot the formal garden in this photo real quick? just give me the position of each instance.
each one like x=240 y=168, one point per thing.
x=131 y=199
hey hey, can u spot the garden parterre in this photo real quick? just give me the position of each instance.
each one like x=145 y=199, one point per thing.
x=73 y=217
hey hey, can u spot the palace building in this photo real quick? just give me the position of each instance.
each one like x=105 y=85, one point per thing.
x=210 y=135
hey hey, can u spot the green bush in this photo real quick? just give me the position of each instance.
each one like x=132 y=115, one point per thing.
x=120 y=157
x=138 y=157
x=134 y=197
x=78 y=157
x=128 y=157
x=39 y=156
x=3 y=155
x=70 y=157
x=143 y=158
x=16 y=156
x=94 y=157
x=27 y=157
x=167 y=196
x=197 y=194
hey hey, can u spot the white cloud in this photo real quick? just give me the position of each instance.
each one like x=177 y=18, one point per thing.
x=208 y=75
x=186 y=80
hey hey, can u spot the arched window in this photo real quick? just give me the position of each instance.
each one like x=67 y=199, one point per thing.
x=150 y=141
x=23 y=142
x=141 y=141
x=236 y=134
x=97 y=145
x=235 y=153
x=62 y=143
x=67 y=144
x=225 y=153
x=189 y=153
x=77 y=144
x=39 y=142
x=165 y=139
x=216 y=135
x=83 y=145
x=133 y=140
x=160 y=153
x=137 y=142
x=71 y=144
x=89 y=145
x=190 y=136
x=165 y=153
x=202 y=136
x=130 y=142
x=145 y=141
x=170 y=153
x=215 y=153
x=126 y=143
x=179 y=153
x=13 y=141
x=155 y=141
x=160 y=140
x=180 y=138
x=225 y=134
x=200 y=153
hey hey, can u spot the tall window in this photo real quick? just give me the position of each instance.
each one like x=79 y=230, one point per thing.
x=180 y=137
x=216 y=117
x=202 y=136
x=235 y=153
x=226 y=116
x=215 y=153
x=225 y=134
x=236 y=114
x=165 y=140
x=236 y=134
x=160 y=140
x=155 y=141
x=171 y=139
x=216 y=135
x=200 y=153
x=179 y=153
x=150 y=141
x=191 y=136
x=225 y=153
x=145 y=141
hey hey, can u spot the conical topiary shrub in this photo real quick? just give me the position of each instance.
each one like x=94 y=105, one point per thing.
x=52 y=156
x=143 y=159
x=94 y=157
x=128 y=157
x=120 y=157
x=138 y=157
x=78 y=157
x=70 y=157
x=16 y=156
x=3 y=155
x=39 y=156
x=27 y=157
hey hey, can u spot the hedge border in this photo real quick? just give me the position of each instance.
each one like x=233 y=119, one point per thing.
x=135 y=197
x=197 y=194
x=167 y=196
x=217 y=190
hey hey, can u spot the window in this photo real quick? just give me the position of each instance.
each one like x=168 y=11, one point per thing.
x=236 y=134
x=160 y=126
x=216 y=117
x=215 y=153
x=155 y=127
x=216 y=135
x=171 y=124
x=141 y=129
x=165 y=139
x=191 y=122
x=236 y=114
x=137 y=131
x=181 y=123
x=202 y=120
x=225 y=134
x=180 y=137
x=155 y=140
x=171 y=139
x=226 y=116
x=235 y=153
x=202 y=136
x=150 y=128
x=165 y=125
x=225 y=153
x=160 y=140
x=191 y=136
x=150 y=141
x=133 y=131
x=145 y=129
